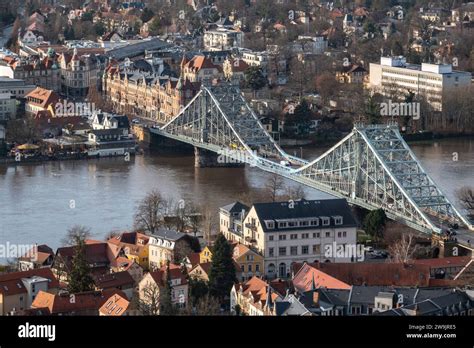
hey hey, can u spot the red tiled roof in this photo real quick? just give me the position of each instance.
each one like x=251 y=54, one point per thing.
x=376 y=273
x=84 y=301
x=115 y=305
x=114 y=280
x=453 y=261
x=11 y=284
x=303 y=280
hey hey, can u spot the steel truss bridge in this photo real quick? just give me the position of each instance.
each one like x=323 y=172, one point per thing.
x=372 y=167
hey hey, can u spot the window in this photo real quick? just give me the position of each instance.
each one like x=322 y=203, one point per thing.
x=271 y=252
x=304 y=250
x=339 y=234
x=292 y=224
x=344 y=234
x=304 y=223
x=270 y=225
x=249 y=268
x=305 y=236
x=293 y=236
x=282 y=224
x=282 y=237
x=316 y=249
x=270 y=237
x=338 y=220
x=328 y=234
x=242 y=268
x=294 y=250
x=314 y=222
x=257 y=268
x=325 y=220
x=282 y=251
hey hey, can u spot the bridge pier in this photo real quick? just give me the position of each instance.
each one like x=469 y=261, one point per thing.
x=207 y=159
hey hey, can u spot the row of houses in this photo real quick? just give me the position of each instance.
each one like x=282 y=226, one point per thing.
x=312 y=292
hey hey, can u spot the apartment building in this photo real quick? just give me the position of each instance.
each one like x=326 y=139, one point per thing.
x=43 y=72
x=222 y=39
x=395 y=75
x=79 y=73
x=289 y=232
x=146 y=94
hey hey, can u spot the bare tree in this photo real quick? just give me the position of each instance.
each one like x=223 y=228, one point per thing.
x=403 y=250
x=208 y=222
x=273 y=187
x=150 y=212
x=149 y=301
x=75 y=235
x=466 y=197
x=206 y=305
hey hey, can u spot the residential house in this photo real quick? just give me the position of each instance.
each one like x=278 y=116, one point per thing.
x=83 y=303
x=97 y=254
x=153 y=282
x=37 y=257
x=231 y=218
x=248 y=260
x=352 y=73
x=41 y=100
x=19 y=289
x=134 y=246
x=257 y=297
x=116 y=306
x=168 y=245
x=118 y=280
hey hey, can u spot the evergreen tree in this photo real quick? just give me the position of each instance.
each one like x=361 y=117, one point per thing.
x=254 y=78
x=79 y=277
x=222 y=272
x=166 y=304
x=374 y=223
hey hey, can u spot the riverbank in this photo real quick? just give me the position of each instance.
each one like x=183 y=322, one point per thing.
x=44 y=159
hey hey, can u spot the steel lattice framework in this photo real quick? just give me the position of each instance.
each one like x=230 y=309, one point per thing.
x=372 y=167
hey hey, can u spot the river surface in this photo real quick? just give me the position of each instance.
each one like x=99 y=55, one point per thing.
x=39 y=202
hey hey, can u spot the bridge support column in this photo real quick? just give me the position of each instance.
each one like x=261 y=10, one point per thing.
x=208 y=159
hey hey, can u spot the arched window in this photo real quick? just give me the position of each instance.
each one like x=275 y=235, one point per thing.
x=271 y=268
x=282 y=270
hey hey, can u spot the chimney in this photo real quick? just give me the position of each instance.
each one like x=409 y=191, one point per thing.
x=315 y=297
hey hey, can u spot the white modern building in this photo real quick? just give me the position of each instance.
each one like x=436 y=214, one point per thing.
x=222 y=39
x=394 y=74
x=292 y=231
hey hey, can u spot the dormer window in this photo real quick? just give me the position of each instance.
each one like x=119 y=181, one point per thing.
x=282 y=225
x=270 y=224
x=314 y=222
x=325 y=220
x=337 y=220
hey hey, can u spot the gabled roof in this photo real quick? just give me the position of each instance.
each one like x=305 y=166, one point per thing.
x=114 y=280
x=42 y=97
x=307 y=275
x=167 y=234
x=115 y=305
x=83 y=301
x=11 y=284
x=235 y=207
